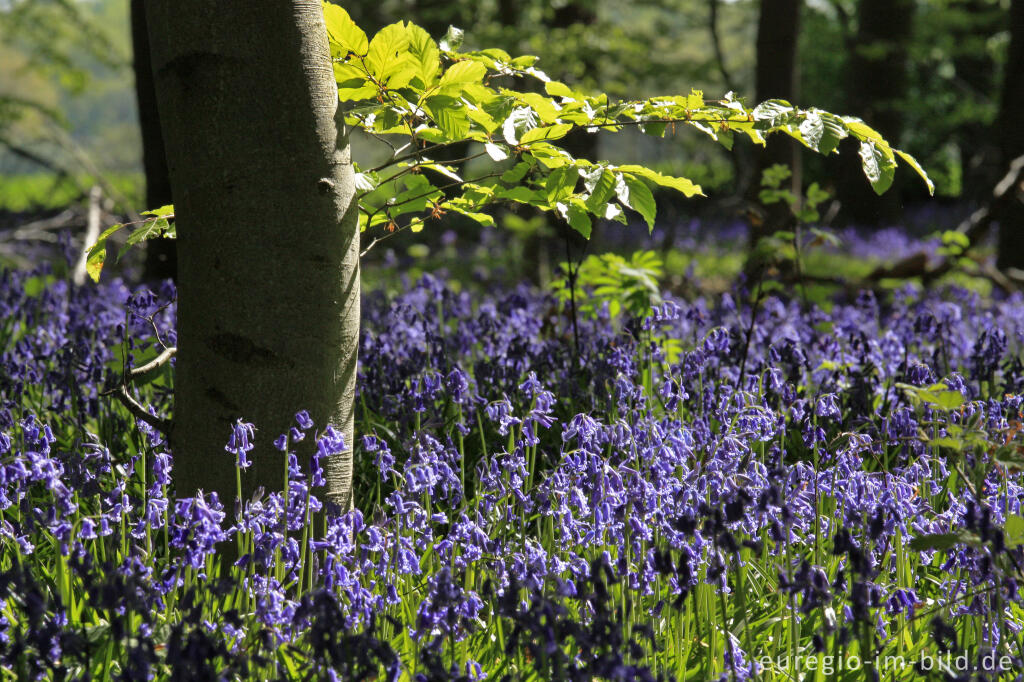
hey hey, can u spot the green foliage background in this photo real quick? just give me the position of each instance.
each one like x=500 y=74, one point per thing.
x=66 y=80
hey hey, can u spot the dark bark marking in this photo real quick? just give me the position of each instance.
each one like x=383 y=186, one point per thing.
x=218 y=397
x=241 y=350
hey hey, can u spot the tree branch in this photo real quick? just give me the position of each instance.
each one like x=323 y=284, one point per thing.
x=140 y=413
x=716 y=44
x=974 y=228
x=156 y=362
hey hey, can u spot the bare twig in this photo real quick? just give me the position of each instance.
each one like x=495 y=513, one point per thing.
x=140 y=413
x=156 y=362
x=716 y=43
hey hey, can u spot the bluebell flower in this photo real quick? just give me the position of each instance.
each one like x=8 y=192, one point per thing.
x=240 y=443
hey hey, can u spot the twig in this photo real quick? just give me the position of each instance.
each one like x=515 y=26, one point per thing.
x=418 y=154
x=716 y=43
x=140 y=413
x=156 y=362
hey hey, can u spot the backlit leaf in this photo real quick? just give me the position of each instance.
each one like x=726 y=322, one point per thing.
x=343 y=32
x=553 y=132
x=637 y=196
x=388 y=51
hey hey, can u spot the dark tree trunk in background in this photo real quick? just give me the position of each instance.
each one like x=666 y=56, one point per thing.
x=161 y=255
x=776 y=77
x=972 y=24
x=540 y=250
x=268 y=248
x=876 y=82
x=1009 y=135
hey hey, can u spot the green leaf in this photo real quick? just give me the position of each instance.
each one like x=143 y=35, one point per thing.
x=772 y=113
x=551 y=156
x=482 y=218
x=342 y=31
x=541 y=105
x=833 y=133
x=495 y=152
x=354 y=90
x=441 y=168
x=426 y=55
x=575 y=212
x=452 y=40
x=561 y=183
x=600 y=183
x=552 y=132
x=521 y=194
x=934 y=541
x=920 y=171
x=516 y=173
x=481 y=118
x=521 y=120
x=450 y=115
x=822 y=131
x=353 y=83
x=388 y=52
x=463 y=72
x=941 y=396
x=684 y=185
x=878 y=166
x=633 y=193
x=166 y=211
x=655 y=129
x=947 y=442
x=365 y=182
x=557 y=89
x=1010 y=458
x=98 y=253
x=1013 y=529
x=36 y=285
x=151 y=229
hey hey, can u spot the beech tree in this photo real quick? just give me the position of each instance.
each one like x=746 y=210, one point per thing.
x=269 y=207
x=268 y=250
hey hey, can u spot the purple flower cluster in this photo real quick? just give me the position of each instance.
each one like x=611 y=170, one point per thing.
x=681 y=493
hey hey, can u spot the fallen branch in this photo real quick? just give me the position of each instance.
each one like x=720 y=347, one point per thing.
x=974 y=228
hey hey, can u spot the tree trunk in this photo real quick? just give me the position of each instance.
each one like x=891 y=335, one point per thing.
x=161 y=254
x=778 y=34
x=876 y=85
x=1009 y=135
x=972 y=23
x=268 y=247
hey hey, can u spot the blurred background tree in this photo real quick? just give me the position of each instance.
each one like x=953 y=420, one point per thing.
x=67 y=115
x=934 y=75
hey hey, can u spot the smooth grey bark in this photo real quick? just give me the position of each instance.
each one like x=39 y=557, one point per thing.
x=268 y=247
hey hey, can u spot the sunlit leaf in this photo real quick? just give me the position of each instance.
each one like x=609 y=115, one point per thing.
x=341 y=30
